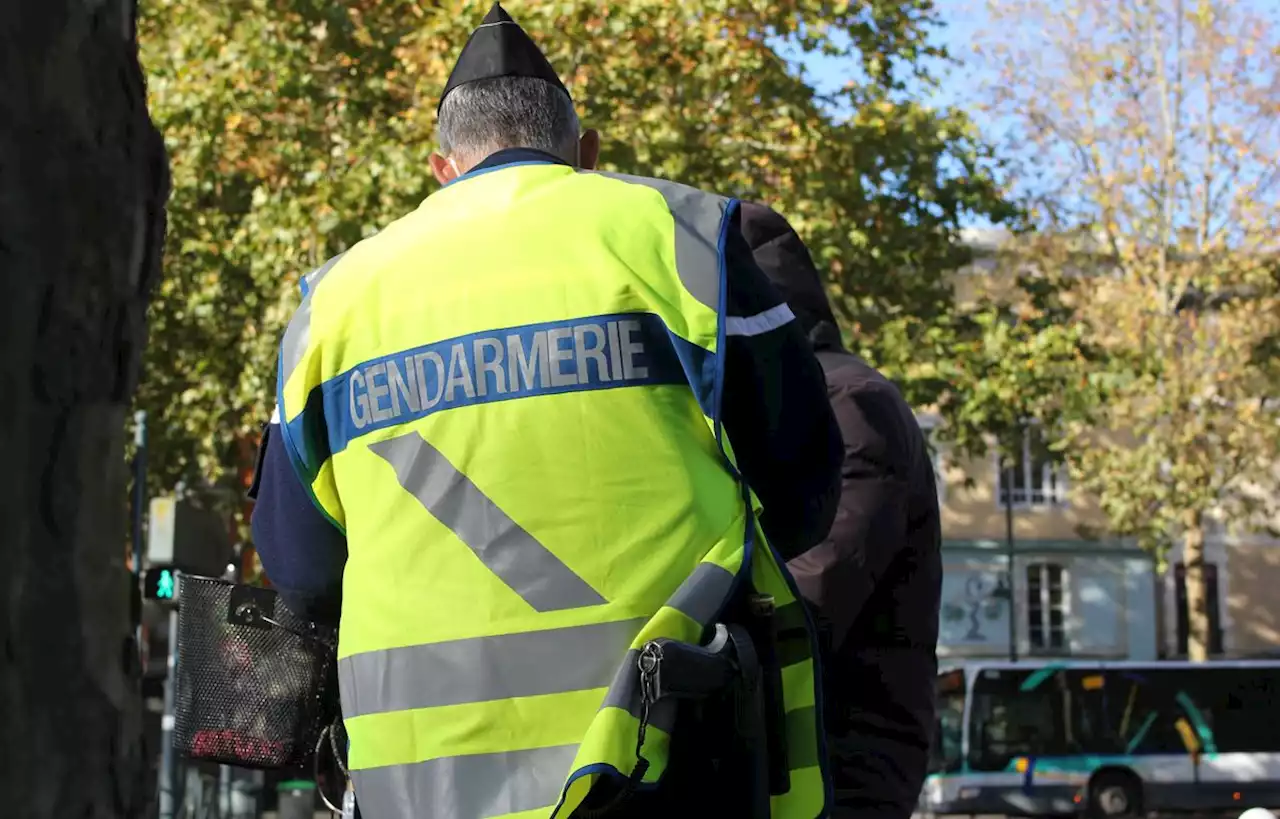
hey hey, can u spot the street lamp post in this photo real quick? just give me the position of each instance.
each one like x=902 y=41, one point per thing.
x=1008 y=546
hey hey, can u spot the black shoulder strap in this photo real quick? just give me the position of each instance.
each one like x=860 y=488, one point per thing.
x=252 y=493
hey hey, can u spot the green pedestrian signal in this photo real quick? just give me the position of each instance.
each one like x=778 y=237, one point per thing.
x=160 y=583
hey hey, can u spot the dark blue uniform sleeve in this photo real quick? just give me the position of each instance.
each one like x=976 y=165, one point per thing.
x=302 y=552
x=775 y=408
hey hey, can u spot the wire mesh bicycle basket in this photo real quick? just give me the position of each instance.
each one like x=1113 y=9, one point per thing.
x=254 y=685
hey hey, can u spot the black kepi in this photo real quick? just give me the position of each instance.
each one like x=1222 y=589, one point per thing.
x=500 y=48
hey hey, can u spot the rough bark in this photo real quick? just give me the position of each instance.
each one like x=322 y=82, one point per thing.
x=83 y=181
x=1197 y=595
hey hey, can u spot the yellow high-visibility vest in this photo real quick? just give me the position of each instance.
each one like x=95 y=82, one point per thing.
x=509 y=401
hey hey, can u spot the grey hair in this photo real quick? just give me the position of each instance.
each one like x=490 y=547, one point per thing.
x=481 y=117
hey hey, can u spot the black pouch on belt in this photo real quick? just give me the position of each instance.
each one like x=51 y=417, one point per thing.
x=719 y=750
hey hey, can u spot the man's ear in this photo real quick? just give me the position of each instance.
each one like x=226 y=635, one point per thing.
x=442 y=168
x=589 y=149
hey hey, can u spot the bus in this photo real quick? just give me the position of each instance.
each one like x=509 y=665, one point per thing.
x=1105 y=738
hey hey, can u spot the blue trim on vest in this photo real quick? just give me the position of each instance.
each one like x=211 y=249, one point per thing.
x=481 y=170
x=700 y=366
x=508 y=155
x=291 y=434
x=748 y=548
x=721 y=312
x=596 y=768
x=305 y=436
x=383 y=392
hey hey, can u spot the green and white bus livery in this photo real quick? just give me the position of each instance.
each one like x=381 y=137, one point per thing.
x=1105 y=738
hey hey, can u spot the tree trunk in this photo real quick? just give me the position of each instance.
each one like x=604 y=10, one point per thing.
x=83 y=181
x=1197 y=595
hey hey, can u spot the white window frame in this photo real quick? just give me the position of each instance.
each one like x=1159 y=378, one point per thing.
x=1043 y=567
x=929 y=423
x=1054 y=475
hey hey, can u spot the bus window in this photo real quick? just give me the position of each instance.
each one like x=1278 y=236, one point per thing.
x=1245 y=708
x=1143 y=710
x=945 y=755
x=1233 y=709
x=1090 y=712
x=1009 y=722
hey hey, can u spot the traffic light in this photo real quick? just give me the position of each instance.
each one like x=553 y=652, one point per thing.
x=187 y=535
x=160 y=583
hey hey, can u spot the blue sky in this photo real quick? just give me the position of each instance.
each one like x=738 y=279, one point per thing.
x=965 y=22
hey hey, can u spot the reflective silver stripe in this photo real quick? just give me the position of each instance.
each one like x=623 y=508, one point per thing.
x=503 y=667
x=510 y=552
x=702 y=593
x=297 y=334
x=760 y=323
x=698 y=217
x=315 y=276
x=484 y=669
x=524 y=664
x=466 y=787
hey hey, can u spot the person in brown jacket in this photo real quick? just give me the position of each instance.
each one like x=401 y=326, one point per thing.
x=874 y=584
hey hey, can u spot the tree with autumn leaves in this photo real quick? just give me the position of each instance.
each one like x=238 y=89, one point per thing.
x=296 y=129
x=1140 y=305
x=1149 y=134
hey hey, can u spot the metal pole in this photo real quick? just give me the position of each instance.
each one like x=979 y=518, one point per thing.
x=224 y=792
x=224 y=807
x=1008 y=534
x=139 y=486
x=168 y=761
x=139 y=512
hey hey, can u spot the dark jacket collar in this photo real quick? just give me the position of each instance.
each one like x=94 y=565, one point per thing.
x=514 y=156
x=509 y=157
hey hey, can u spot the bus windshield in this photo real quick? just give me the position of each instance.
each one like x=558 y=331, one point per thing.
x=946 y=756
x=1009 y=722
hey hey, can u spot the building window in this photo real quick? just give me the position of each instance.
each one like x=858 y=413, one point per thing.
x=1047 y=607
x=1037 y=480
x=929 y=426
x=1211 y=604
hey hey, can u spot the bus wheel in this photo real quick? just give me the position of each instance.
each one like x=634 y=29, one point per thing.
x=1115 y=793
